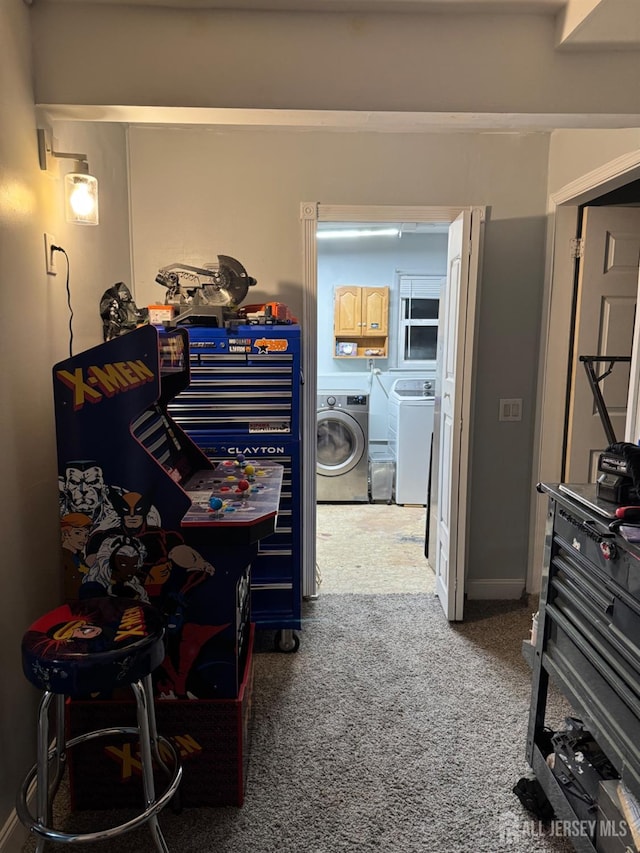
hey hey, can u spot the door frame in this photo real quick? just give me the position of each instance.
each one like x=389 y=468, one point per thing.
x=310 y=214
x=556 y=322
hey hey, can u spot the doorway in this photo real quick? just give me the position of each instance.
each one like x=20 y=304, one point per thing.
x=387 y=276
x=617 y=182
x=458 y=363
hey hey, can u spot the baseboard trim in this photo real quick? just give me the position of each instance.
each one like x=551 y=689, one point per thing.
x=494 y=589
x=13 y=835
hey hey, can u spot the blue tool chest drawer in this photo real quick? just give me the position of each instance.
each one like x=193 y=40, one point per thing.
x=244 y=398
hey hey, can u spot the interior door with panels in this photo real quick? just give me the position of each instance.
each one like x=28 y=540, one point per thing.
x=605 y=317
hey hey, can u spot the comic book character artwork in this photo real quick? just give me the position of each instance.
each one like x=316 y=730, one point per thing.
x=117 y=570
x=74 y=535
x=77 y=633
x=83 y=490
x=124 y=469
x=134 y=511
x=59 y=649
x=119 y=312
x=119 y=553
x=187 y=619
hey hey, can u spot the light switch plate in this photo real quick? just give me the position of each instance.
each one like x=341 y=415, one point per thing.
x=510 y=409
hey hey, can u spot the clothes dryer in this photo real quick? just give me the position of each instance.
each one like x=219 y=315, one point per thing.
x=342 y=446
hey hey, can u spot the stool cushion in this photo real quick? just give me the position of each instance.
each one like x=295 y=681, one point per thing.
x=93 y=646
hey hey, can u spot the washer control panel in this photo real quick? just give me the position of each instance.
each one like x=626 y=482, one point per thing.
x=348 y=400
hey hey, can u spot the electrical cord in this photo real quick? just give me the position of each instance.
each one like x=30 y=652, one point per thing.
x=380 y=383
x=60 y=249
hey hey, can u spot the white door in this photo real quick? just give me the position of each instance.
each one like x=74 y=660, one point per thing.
x=452 y=415
x=605 y=312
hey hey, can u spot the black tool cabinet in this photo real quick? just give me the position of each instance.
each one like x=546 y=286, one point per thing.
x=588 y=638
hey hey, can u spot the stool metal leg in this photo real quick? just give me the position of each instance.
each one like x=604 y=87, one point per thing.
x=43 y=799
x=61 y=745
x=176 y=803
x=146 y=724
x=153 y=728
x=46 y=785
x=40 y=823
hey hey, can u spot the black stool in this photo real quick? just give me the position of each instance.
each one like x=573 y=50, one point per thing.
x=92 y=647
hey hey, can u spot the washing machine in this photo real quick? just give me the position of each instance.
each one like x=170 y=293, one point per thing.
x=410 y=410
x=342 y=445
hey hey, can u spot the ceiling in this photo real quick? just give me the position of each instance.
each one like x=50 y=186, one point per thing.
x=580 y=26
x=584 y=24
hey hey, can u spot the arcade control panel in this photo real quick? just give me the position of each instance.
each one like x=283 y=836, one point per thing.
x=236 y=494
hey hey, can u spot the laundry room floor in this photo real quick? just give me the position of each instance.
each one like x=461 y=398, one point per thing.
x=372 y=548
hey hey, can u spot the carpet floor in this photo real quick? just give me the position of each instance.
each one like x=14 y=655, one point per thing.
x=389 y=730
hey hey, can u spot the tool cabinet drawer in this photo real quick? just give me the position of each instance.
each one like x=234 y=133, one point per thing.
x=594 y=689
x=597 y=545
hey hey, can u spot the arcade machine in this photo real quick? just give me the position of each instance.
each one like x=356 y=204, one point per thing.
x=245 y=397
x=146 y=515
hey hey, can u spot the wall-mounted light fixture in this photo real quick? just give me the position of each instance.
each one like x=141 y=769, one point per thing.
x=80 y=188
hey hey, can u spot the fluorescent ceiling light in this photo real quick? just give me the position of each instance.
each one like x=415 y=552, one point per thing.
x=358 y=232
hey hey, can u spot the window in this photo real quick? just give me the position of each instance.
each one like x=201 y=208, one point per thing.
x=418 y=316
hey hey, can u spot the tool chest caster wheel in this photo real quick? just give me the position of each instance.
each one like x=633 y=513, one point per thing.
x=287 y=641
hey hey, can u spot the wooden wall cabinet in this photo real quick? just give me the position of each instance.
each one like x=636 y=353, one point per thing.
x=361 y=316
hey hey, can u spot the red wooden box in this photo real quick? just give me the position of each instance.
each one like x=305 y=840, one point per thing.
x=213 y=737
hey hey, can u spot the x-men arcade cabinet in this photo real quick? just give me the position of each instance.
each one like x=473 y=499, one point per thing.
x=146 y=515
x=245 y=396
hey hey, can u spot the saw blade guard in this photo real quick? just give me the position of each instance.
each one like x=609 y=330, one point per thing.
x=223 y=284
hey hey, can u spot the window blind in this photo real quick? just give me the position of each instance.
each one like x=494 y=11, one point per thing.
x=421 y=288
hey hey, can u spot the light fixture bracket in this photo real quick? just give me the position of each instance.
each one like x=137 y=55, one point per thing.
x=45 y=152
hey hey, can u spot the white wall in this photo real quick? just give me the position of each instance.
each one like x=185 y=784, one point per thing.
x=99 y=255
x=197 y=192
x=34 y=337
x=574 y=158
x=283 y=60
x=574 y=153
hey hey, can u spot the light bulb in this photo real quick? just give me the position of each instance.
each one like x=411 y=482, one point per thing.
x=81 y=199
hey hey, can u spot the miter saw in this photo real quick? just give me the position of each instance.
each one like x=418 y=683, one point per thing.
x=206 y=295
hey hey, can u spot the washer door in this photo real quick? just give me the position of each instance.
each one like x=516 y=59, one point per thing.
x=340 y=443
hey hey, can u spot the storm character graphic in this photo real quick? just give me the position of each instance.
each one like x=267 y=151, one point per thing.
x=134 y=511
x=117 y=570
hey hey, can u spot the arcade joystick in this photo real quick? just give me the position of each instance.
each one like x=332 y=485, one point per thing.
x=243 y=486
x=249 y=471
x=216 y=506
